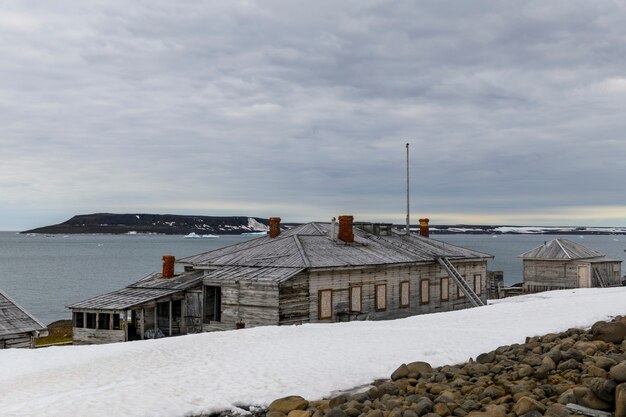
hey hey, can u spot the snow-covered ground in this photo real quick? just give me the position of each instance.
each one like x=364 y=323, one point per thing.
x=210 y=372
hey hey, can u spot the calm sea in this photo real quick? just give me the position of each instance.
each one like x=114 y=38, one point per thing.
x=45 y=274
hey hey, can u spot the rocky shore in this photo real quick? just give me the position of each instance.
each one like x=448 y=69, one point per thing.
x=538 y=378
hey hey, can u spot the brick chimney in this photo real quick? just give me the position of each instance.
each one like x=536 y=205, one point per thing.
x=345 y=229
x=274 y=227
x=424 y=230
x=168 y=266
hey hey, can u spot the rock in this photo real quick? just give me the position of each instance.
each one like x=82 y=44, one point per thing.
x=420 y=368
x=604 y=389
x=409 y=413
x=486 y=357
x=604 y=363
x=492 y=391
x=401 y=372
x=568 y=365
x=374 y=413
x=594 y=371
x=336 y=412
x=337 y=401
x=548 y=362
x=556 y=410
x=586 y=398
x=533 y=413
x=620 y=400
x=441 y=409
x=618 y=372
x=287 y=404
x=526 y=405
x=275 y=414
x=573 y=354
x=352 y=412
x=388 y=388
x=423 y=406
x=567 y=397
x=300 y=413
x=613 y=332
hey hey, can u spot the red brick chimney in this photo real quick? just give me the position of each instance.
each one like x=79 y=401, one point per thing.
x=274 y=227
x=424 y=230
x=345 y=229
x=168 y=266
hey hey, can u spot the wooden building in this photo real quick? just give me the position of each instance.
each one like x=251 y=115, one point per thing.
x=158 y=305
x=18 y=329
x=562 y=263
x=315 y=272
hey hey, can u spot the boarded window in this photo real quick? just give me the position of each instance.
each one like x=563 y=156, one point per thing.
x=355 y=298
x=90 y=320
x=405 y=297
x=445 y=289
x=381 y=297
x=79 y=320
x=459 y=290
x=325 y=304
x=424 y=291
x=477 y=284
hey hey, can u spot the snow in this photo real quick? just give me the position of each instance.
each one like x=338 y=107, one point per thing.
x=257 y=226
x=211 y=372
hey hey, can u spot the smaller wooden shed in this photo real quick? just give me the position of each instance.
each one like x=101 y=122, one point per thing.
x=158 y=305
x=562 y=263
x=18 y=329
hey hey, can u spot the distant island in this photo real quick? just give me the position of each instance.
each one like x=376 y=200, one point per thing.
x=168 y=224
x=174 y=224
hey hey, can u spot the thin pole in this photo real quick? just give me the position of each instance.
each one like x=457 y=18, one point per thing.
x=407 y=191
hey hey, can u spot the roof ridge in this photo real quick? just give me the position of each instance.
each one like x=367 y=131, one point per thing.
x=563 y=249
x=301 y=250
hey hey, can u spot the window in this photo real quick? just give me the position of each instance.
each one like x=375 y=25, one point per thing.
x=477 y=284
x=325 y=307
x=381 y=297
x=117 y=321
x=90 y=319
x=212 y=304
x=104 y=321
x=404 y=294
x=355 y=298
x=459 y=290
x=79 y=320
x=424 y=291
x=445 y=289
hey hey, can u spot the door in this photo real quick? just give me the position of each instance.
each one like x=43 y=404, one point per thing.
x=584 y=276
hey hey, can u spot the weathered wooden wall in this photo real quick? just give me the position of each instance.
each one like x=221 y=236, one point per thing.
x=246 y=303
x=19 y=340
x=192 y=311
x=340 y=281
x=294 y=300
x=84 y=336
x=543 y=275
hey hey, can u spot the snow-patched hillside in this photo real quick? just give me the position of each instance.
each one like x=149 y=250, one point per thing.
x=216 y=371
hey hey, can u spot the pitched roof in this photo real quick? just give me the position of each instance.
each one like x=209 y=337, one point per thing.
x=14 y=319
x=558 y=249
x=311 y=246
x=149 y=288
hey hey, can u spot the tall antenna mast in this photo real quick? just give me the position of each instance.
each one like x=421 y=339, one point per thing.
x=408 y=230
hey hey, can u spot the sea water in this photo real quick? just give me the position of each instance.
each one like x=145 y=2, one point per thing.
x=44 y=274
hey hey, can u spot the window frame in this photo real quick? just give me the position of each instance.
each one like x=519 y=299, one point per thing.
x=478 y=284
x=405 y=290
x=353 y=298
x=377 y=299
x=424 y=295
x=320 y=301
x=441 y=286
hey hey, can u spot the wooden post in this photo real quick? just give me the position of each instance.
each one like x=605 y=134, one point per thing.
x=183 y=315
x=156 y=320
x=125 y=324
x=142 y=322
x=170 y=330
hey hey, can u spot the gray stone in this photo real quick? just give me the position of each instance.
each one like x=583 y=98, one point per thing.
x=568 y=365
x=336 y=412
x=423 y=406
x=492 y=391
x=525 y=371
x=614 y=332
x=352 y=412
x=486 y=357
x=618 y=372
x=567 y=397
x=603 y=388
x=604 y=363
x=374 y=413
x=409 y=413
x=573 y=354
x=533 y=413
x=586 y=398
x=420 y=368
x=338 y=400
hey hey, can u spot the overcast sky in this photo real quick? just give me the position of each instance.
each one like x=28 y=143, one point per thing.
x=515 y=111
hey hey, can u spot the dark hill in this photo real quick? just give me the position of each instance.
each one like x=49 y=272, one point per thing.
x=170 y=224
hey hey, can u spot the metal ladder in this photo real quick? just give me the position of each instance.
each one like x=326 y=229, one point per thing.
x=598 y=276
x=460 y=281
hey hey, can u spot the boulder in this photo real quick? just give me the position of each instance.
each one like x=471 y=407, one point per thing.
x=620 y=400
x=613 y=332
x=300 y=413
x=336 y=412
x=420 y=368
x=486 y=357
x=556 y=410
x=287 y=404
x=604 y=389
x=618 y=372
x=401 y=372
x=526 y=405
x=586 y=398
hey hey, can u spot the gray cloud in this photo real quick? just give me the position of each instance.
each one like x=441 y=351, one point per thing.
x=302 y=109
